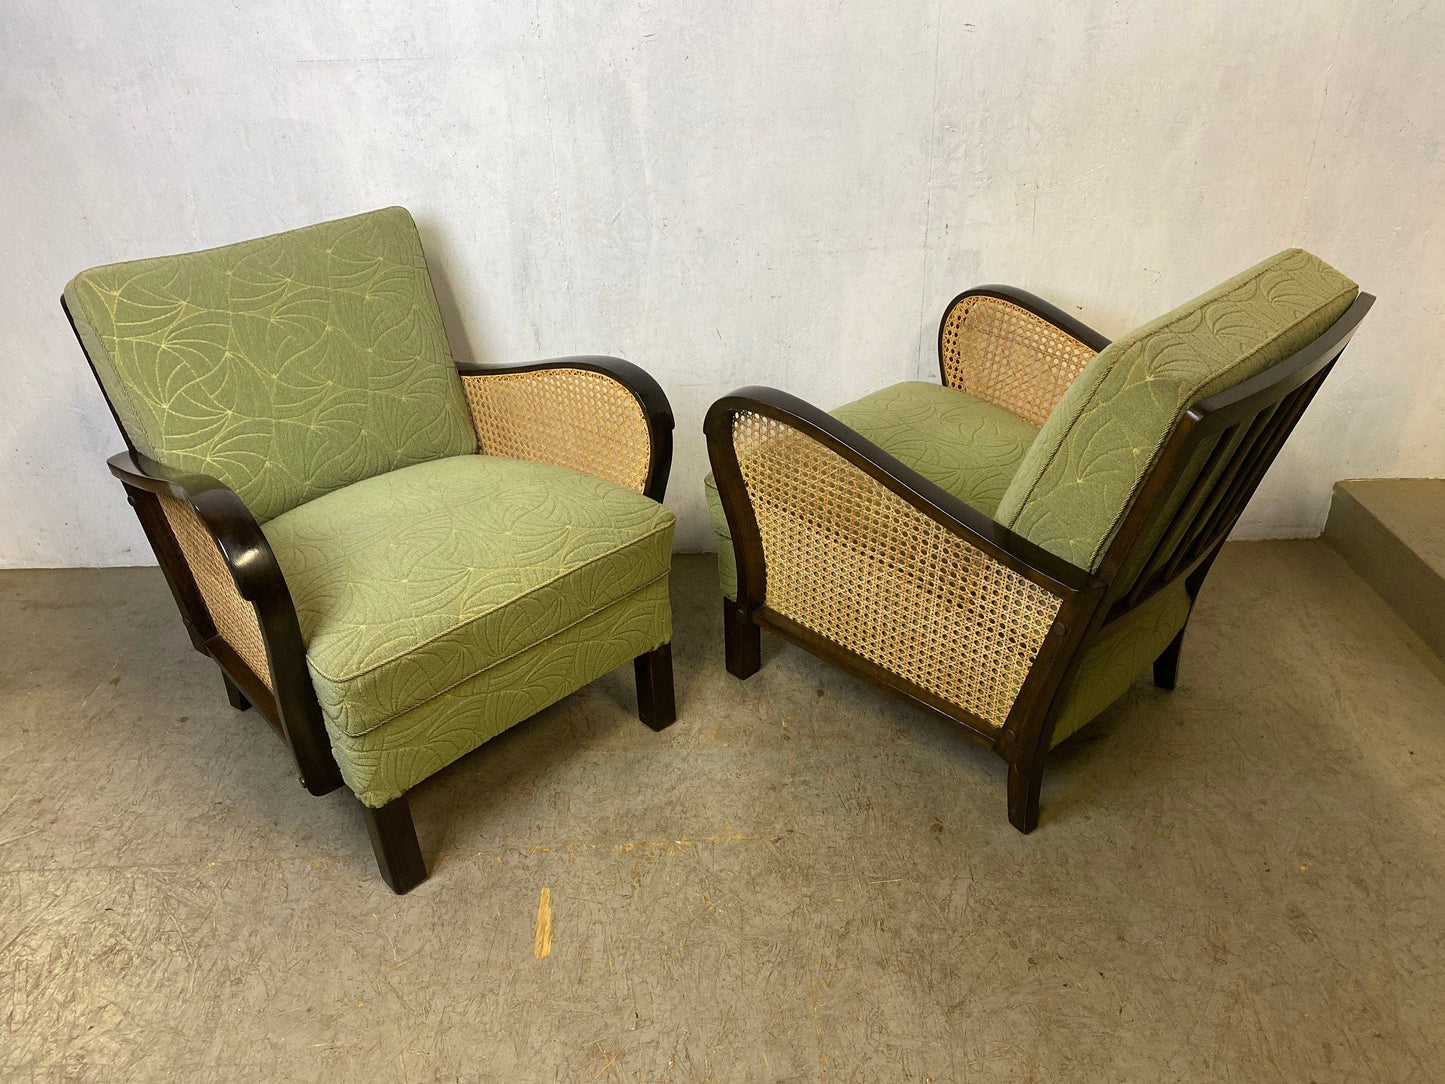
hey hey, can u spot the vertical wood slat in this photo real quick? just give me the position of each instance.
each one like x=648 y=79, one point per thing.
x=1219 y=493
x=1243 y=454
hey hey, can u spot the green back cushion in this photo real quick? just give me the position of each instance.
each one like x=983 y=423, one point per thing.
x=286 y=367
x=1081 y=475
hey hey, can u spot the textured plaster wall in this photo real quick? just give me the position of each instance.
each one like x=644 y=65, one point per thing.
x=744 y=193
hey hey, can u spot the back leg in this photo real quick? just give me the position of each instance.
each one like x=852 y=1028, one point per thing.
x=234 y=695
x=1166 y=666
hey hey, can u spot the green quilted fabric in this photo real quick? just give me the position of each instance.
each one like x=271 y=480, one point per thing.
x=1113 y=661
x=383 y=763
x=1080 y=476
x=967 y=446
x=412 y=583
x=288 y=366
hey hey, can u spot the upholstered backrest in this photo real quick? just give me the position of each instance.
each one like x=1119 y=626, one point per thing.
x=288 y=366
x=1094 y=452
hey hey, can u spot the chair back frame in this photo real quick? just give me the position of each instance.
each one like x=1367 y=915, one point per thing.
x=1238 y=432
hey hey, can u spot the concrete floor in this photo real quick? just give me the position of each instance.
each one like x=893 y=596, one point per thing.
x=801 y=880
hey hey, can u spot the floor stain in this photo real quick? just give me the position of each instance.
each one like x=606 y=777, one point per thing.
x=542 y=946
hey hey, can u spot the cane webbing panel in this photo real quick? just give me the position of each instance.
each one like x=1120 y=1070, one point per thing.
x=571 y=417
x=234 y=617
x=851 y=560
x=996 y=350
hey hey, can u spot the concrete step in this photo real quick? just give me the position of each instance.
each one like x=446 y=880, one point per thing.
x=1392 y=532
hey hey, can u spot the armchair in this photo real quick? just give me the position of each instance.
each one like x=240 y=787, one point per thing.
x=1009 y=550
x=392 y=556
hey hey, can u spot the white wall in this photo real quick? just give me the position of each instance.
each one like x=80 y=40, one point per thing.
x=731 y=193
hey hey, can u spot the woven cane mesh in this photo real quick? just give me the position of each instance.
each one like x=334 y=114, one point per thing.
x=995 y=350
x=572 y=417
x=853 y=561
x=234 y=617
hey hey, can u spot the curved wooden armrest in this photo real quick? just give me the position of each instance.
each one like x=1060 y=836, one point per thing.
x=224 y=515
x=1015 y=350
x=560 y=410
x=842 y=548
x=1015 y=552
x=248 y=622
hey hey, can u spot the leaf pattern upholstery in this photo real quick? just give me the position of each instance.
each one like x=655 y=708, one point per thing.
x=411 y=583
x=967 y=445
x=383 y=763
x=1099 y=444
x=286 y=367
x=1114 y=659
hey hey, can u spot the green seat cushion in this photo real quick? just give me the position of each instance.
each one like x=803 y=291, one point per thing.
x=968 y=447
x=287 y=367
x=412 y=583
x=1092 y=456
x=386 y=762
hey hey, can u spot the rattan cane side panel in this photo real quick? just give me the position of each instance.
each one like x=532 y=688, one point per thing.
x=996 y=350
x=572 y=417
x=234 y=617
x=851 y=560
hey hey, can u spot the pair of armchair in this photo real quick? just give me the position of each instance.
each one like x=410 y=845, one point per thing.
x=394 y=557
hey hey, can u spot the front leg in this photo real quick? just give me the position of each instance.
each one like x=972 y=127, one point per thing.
x=742 y=642
x=394 y=842
x=655 y=703
x=1024 y=784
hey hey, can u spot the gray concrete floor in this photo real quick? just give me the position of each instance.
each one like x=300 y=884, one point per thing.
x=801 y=880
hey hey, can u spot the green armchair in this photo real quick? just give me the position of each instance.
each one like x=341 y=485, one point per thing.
x=393 y=557
x=1011 y=550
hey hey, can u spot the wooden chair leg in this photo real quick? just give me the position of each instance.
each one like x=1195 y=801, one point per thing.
x=234 y=695
x=655 y=703
x=1166 y=666
x=393 y=839
x=1024 y=785
x=742 y=643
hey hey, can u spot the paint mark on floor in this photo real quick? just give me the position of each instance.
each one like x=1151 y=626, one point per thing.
x=542 y=947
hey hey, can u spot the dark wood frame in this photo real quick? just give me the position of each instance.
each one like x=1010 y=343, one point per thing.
x=1237 y=433
x=293 y=710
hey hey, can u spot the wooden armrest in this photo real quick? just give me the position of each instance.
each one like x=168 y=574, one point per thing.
x=1015 y=552
x=221 y=512
x=834 y=536
x=601 y=415
x=252 y=629
x=1013 y=349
